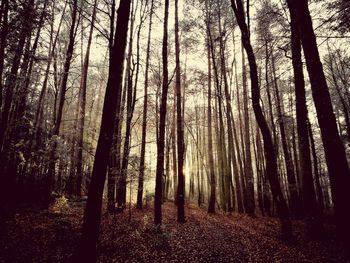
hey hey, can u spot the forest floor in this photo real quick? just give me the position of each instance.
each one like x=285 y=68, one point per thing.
x=35 y=235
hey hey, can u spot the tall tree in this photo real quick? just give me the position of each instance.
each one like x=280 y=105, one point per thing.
x=4 y=31
x=338 y=168
x=248 y=171
x=144 y=116
x=180 y=128
x=271 y=159
x=308 y=191
x=82 y=104
x=162 y=122
x=130 y=97
x=212 y=195
x=62 y=95
x=92 y=216
x=51 y=55
x=212 y=198
x=230 y=147
x=294 y=203
x=10 y=83
x=114 y=163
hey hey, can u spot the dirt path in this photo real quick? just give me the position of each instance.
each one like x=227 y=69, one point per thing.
x=237 y=238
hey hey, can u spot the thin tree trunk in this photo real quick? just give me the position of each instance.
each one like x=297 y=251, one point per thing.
x=211 y=206
x=294 y=204
x=82 y=105
x=27 y=78
x=3 y=43
x=114 y=158
x=342 y=100
x=12 y=77
x=51 y=55
x=271 y=159
x=62 y=95
x=179 y=126
x=316 y=168
x=229 y=162
x=121 y=190
x=268 y=93
x=162 y=122
x=248 y=171
x=144 y=117
x=238 y=176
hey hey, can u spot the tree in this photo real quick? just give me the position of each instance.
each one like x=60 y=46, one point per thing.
x=10 y=83
x=130 y=104
x=271 y=159
x=162 y=120
x=310 y=208
x=338 y=169
x=180 y=128
x=82 y=104
x=92 y=216
x=4 y=31
x=62 y=96
x=212 y=198
x=144 y=117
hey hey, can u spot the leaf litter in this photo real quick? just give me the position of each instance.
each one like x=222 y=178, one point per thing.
x=33 y=235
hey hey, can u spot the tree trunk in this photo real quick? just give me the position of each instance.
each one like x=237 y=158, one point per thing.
x=338 y=168
x=121 y=190
x=294 y=204
x=92 y=215
x=228 y=173
x=314 y=226
x=179 y=126
x=62 y=95
x=316 y=168
x=342 y=100
x=82 y=105
x=144 y=117
x=248 y=169
x=238 y=176
x=162 y=122
x=211 y=206
x=114 y=158
x=51 y=55
x=12 y=76
x=3 y=38
x=271 y=159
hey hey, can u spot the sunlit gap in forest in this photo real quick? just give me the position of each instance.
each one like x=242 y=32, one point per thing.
x=174 y=131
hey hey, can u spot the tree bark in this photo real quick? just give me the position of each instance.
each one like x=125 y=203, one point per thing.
x=10 y=82
x=271 y=159
x=144 y=117
x=230 y=149
x=51 y=55
x=317 y=174
x=162 y=122
x=82 y=105
x=179 y=126
x=61 y=99
x=248 y=169
x=294 y=204
x=338 y=168
x=3 y=42
x=314 y=226
x=211 y=206
x=121 y=190
x=92 y=215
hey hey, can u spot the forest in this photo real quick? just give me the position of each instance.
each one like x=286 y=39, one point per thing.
x=174 y=131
